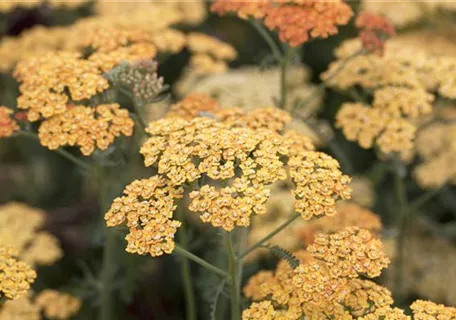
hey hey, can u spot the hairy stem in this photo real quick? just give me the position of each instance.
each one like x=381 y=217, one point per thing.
x=83 y=165
x=234 y=283
x=184 y=253
x=186 y=274
x=269 y=236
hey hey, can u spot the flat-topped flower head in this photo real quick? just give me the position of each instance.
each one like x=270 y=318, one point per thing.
x=350 y=252
x=34 y=246
x=57 y=305
x=45 y=80
x=319 y=183
x=147 y=209
x=427 y=310
x=86 y=127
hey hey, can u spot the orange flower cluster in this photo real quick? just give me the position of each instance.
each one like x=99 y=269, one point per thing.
x=86 y=127
x=7 y=124
x=15 y=276
x=57 y=305
x=374 y=31
x=45 y=79
x=296 y=20
x=325 y=284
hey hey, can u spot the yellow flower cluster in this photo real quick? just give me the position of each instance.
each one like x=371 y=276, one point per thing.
x=7 y=124
x=260 y=310
x=316 y=289
x=86 y=127
x=45 y=79
x=325 y=284
x=8 y=5
x=15 y=275
x=436 y=145
x=319 y=183
x=367 y=125
x=57 y=305
x=403 y=81
x=34 y=246
x=147 y=209
x=404 y=13
x=209 y=54
x=19 y=309
x=227 y=166
x=350 y=252
x=424 y=310
x=124 y=31
x=184 y=12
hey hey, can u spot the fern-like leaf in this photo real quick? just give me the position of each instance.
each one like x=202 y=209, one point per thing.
x=213 y=306
x=282 y=253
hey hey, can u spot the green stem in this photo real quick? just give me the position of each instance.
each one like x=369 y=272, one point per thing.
x=186 y=271
x=232 y=269
x=269 y=236
x=284 y=64
x=417 y=203
x=179 y=250
x=404 y=217
x=107 y=276
x=61 y=152
x=267 y=37
x=109 y=257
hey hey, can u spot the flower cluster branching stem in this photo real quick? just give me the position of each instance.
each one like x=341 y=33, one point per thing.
x=203 y=263
x=191 y=313
x=269 y=236
x=81 y=164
